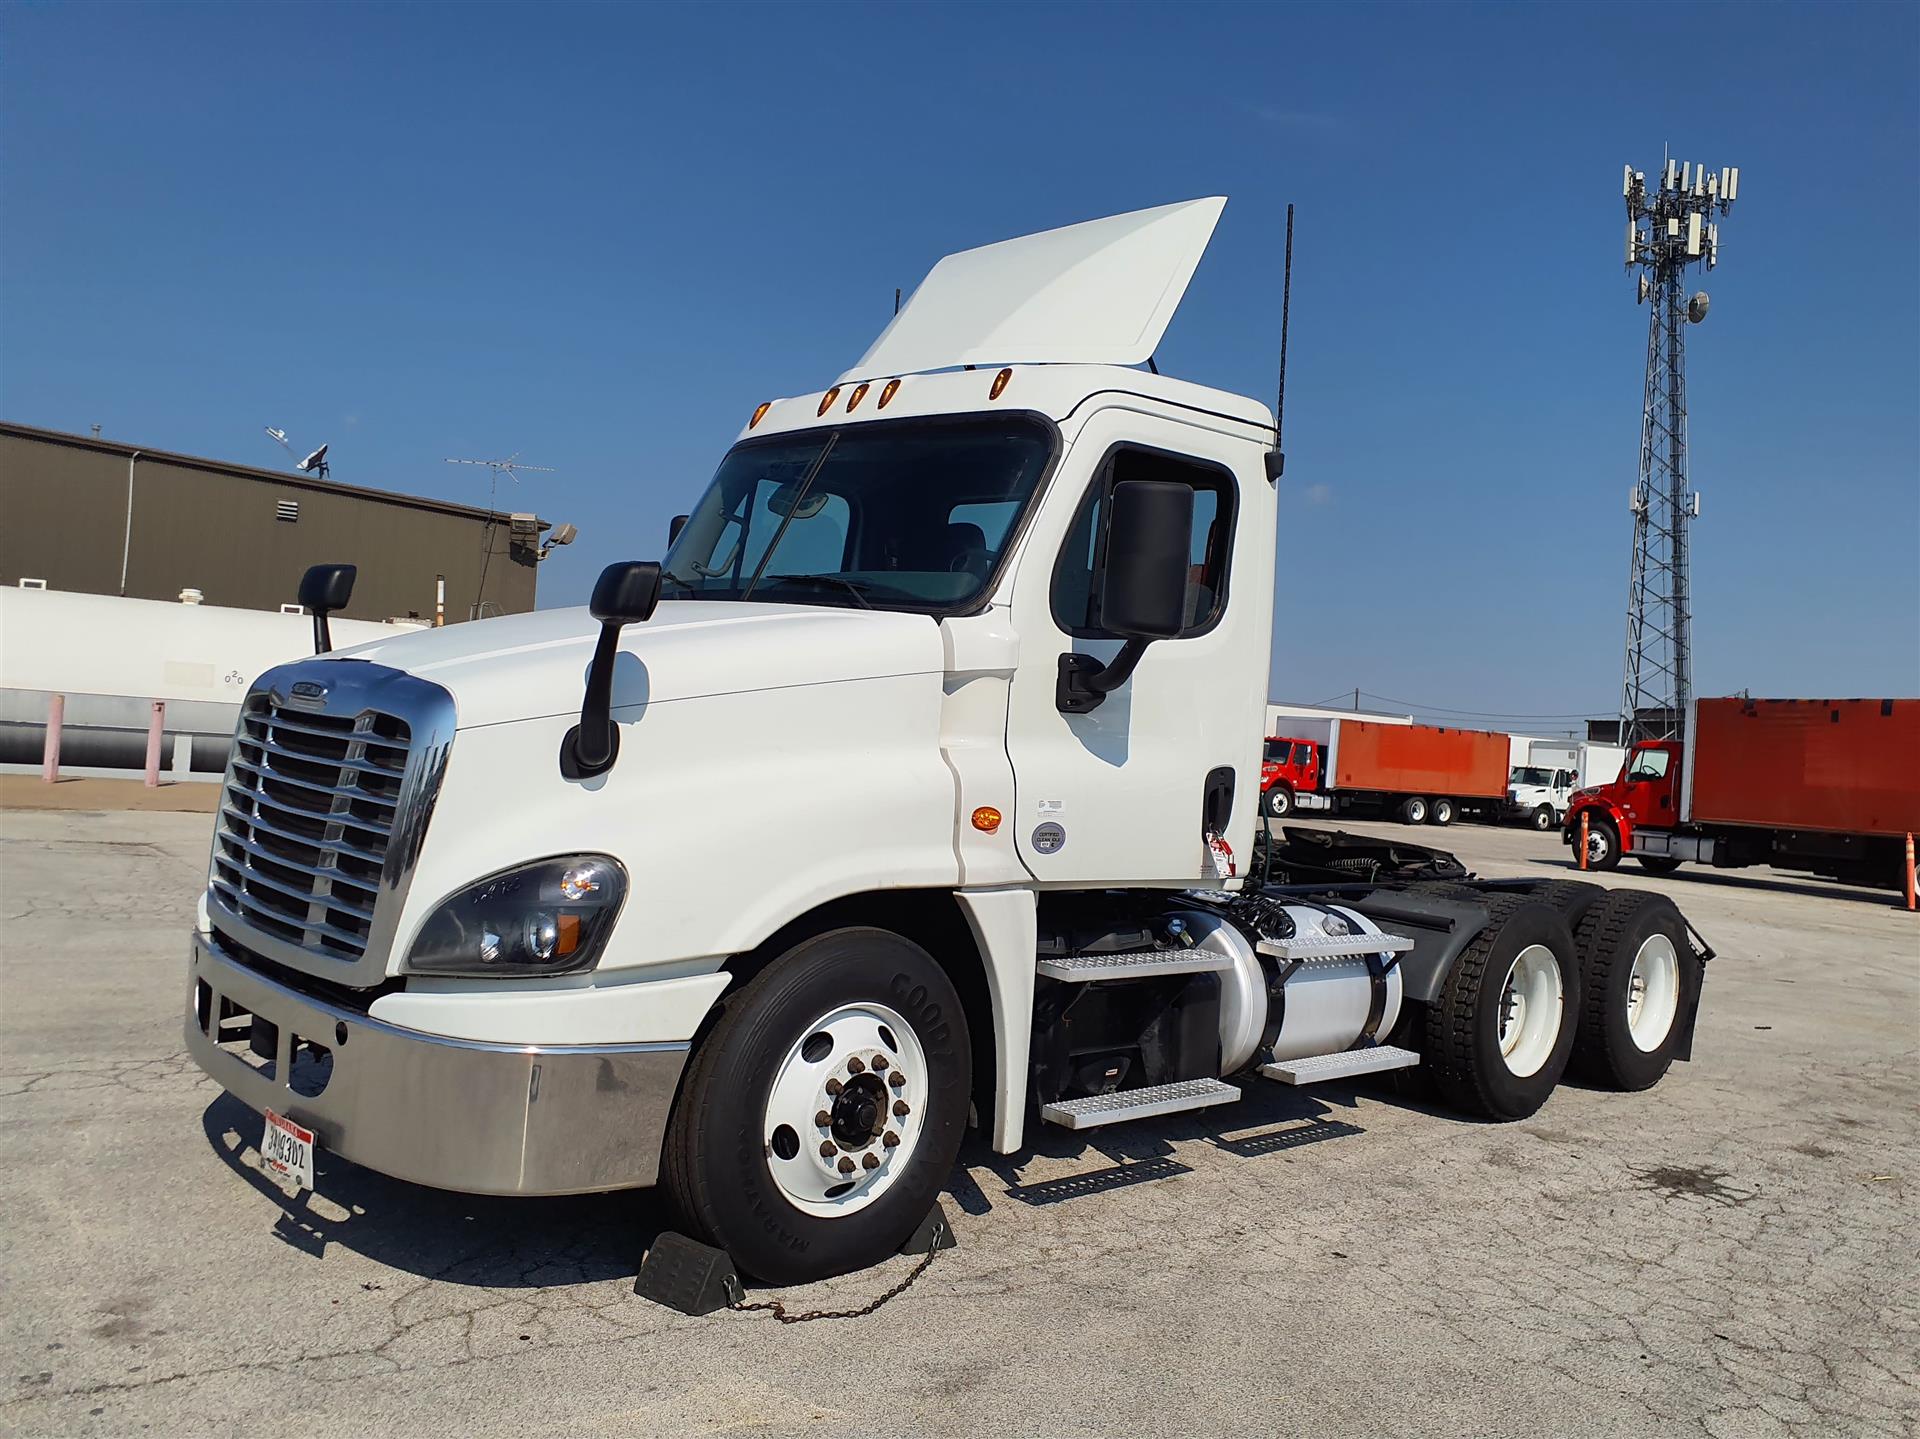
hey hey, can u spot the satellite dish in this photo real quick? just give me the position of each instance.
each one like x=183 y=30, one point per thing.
x=563 y=534
x=1697 y=307
x=315 y=463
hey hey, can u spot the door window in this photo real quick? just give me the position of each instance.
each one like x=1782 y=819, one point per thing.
x=1075 y=580
x=1648 y=764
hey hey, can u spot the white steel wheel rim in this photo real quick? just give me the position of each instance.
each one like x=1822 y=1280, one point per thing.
x=1416 y=811
x=1653 y=993
x=1596 y=845
x=862 y=1068
x=1532 y=1000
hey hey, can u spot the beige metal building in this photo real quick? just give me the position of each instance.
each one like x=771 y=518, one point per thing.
x=97 y=516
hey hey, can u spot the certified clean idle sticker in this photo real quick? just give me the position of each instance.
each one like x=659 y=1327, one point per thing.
x=1049 y=838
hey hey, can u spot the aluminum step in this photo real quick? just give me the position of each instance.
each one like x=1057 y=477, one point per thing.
x=1175 y=1098
x=1345 y=1065
x=1334 y=946
x=1135 y=964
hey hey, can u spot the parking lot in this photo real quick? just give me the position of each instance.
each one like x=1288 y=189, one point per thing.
x=1730 y=1254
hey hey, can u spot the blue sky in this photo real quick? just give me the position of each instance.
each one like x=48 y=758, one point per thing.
x=599 y=236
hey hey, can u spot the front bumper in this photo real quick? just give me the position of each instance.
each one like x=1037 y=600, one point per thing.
x=451 y=1113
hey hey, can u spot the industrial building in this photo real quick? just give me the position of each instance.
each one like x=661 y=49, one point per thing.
x=84 y=514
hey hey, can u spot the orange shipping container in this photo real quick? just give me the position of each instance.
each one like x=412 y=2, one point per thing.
x=1419 y=759
x=1845 y=766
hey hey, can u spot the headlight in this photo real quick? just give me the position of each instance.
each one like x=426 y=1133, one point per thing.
x=549 y=917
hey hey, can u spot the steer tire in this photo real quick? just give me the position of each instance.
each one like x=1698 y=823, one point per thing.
x=1543 y=817
x=1609 y=937
x=1462 y=1049
x=1605 y=836
x=1278 y=802
x=716 y=1166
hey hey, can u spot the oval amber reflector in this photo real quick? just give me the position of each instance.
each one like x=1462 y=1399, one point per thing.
x=986 y=819
x=760 y=413
x=999 y=384
x=826 y=400
x=888 y=391
x=859 y=394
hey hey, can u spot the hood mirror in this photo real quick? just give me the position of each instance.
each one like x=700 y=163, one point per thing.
x=324 y=589
x=625 y=594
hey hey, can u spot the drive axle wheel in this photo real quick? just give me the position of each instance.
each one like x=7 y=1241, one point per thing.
x=1643 y=980
x=1413 y=810
x=1500 y=1031
x=823 y=1111
x=1441 y=812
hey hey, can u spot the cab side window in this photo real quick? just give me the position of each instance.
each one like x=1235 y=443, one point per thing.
x=1075 y=578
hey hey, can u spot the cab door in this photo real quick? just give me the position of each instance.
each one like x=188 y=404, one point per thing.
x=1125 y=793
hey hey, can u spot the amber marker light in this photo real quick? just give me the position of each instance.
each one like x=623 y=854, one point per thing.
x=760 y=413
x=826 y=400
x=859 y=394
x=986 y=819
x=999 y=384
x=888 y=391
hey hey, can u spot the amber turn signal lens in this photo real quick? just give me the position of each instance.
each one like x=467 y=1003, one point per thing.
x=760 y=413
x=859 y=394
x=888 y=391
x=999 y=384
x=986 y=819
x=826 y=400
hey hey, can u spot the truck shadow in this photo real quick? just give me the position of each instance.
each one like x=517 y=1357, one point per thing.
x=1689 y=876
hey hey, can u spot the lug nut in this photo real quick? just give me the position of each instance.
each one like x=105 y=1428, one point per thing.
x=826 y=1149
x=834 y=1086
x=846 y=1164
x=854 y=1066
x=900 y=1107
x=879 y=1063
x=896 y=1079
x=892 y=1140
x=823 y=1119
x=872 y=1161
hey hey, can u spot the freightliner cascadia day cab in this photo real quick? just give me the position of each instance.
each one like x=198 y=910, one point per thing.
x=478 y=915
x=1827 y=786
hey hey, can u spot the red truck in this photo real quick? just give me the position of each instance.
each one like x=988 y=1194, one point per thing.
x=1423 y=774
x=1831 y=787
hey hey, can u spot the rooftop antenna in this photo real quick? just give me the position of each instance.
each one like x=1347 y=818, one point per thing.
x=1277 y=460
x=1670 y=227
x=315 y=463
x=511 y=468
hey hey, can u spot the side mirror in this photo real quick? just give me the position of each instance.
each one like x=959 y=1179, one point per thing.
x=674 y=526
x=1142 y=587
x=625 y=594
x=324 y=589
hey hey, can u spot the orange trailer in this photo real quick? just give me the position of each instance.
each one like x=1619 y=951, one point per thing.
x=1838 y=766
x=1425 y=772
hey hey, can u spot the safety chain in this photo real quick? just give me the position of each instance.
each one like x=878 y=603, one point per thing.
x=779 y=1310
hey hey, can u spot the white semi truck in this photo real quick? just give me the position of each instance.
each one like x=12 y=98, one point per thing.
x=977 y=635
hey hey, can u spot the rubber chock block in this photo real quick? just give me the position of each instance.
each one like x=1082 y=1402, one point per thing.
x=688 y=1276
x=933 y=1234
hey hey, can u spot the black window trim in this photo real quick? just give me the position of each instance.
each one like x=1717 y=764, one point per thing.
x=1043 y=482
x=1102 y=483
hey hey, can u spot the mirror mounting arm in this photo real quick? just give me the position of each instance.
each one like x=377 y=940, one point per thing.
x=626 y=593
x=1084 y=682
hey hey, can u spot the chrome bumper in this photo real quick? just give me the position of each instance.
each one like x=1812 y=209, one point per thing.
x=451 y=1113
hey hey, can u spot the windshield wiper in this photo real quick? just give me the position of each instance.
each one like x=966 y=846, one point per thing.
x=857 y=588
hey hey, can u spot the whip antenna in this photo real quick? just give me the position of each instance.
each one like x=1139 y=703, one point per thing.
x=1277 y=461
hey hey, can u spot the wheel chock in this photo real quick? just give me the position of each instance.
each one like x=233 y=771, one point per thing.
x=688 y=1276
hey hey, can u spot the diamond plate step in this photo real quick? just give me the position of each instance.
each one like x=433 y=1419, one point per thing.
x=1334 y=946
x=1135 y=964
x=1175 y=1098
x=1322 y=1067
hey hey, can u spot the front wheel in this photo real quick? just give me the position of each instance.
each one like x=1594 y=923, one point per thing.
x=1543 y=817
x=1279 y=802
x=824 y=1110
x=1499 y=1034
x=1603 y=841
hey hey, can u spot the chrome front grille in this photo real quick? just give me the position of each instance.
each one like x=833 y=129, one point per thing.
x=334 y=768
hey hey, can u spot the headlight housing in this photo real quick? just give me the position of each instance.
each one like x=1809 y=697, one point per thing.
x=549 y=917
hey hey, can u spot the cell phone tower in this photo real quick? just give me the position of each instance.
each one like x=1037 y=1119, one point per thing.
x=1668 y=229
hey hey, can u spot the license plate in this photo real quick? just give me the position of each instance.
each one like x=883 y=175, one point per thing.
x=286 y=1151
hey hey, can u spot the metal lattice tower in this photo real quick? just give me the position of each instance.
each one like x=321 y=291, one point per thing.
x=1668 y=230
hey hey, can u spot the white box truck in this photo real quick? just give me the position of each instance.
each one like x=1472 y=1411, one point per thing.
x=1543 y=782
x=978 y=632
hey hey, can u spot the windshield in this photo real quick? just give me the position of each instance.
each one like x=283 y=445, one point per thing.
x=1279 y=750
x=905 y=517
x=1530 y=775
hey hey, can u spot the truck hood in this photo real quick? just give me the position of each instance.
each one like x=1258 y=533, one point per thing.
x=532 y=666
